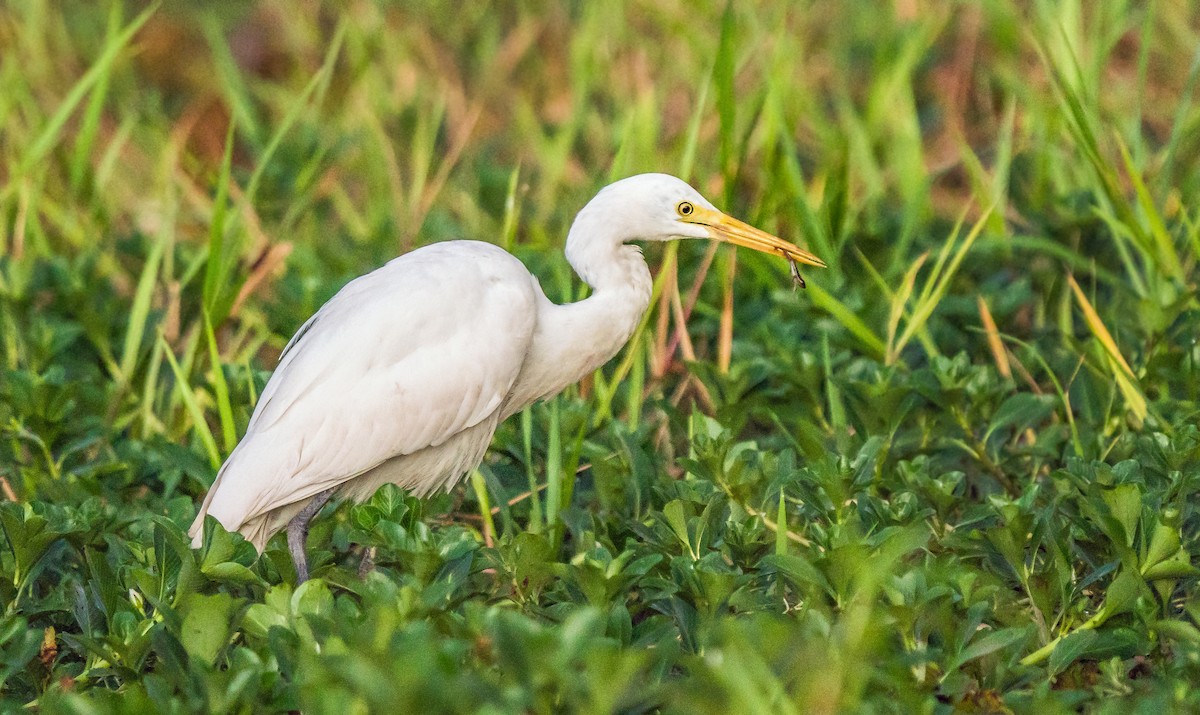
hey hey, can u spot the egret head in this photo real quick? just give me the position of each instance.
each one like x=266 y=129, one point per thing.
x=660 y=207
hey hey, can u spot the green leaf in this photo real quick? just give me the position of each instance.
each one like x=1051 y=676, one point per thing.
x=798 y=570
x=1121 y=594
x=1071 y=648
x=313 y=598
x=990 y=643
x=1178 y=631
x=1178 y=566
x=676 y=518
x=1021 y=410
x=231 y=572
x=29 y=536
x=1164 y=540
x=207 y=623
x=1125 y=503
x=260 y=619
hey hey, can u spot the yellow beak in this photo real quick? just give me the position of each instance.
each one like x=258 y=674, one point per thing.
x=730 y=230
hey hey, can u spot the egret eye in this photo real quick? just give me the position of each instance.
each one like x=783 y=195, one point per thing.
x=685 y=208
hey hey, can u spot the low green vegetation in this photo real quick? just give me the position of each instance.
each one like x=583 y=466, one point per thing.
x=957 y=473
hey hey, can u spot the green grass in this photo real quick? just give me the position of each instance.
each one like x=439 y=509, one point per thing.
x=956 y=473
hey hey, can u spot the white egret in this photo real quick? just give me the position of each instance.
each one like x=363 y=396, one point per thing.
x=404 y=375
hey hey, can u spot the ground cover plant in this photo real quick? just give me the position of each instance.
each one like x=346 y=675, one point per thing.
x=954 y=474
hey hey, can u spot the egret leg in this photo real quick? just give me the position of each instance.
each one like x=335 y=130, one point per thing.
x=297 y=532
x=367 y=565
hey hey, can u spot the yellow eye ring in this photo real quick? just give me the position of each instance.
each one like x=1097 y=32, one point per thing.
x=685 y=208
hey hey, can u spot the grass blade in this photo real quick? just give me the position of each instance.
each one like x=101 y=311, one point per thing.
x=1168 y=257
x=192 y=405
x=51 y=133
x=939 y=282
x=995 y=345
x=139 y=311
x=1135 y=400
x=899 y=300
x=847 y=318
x=224 y=407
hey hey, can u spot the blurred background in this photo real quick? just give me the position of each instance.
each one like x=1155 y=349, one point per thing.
x=358 y=129
x=376 y=121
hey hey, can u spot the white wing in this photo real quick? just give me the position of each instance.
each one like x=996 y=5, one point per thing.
x=400 y=359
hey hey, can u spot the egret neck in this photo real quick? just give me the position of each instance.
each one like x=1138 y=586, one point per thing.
x=572 y=340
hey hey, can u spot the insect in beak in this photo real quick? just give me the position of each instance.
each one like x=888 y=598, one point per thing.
x=730 y=230
x=797 y=279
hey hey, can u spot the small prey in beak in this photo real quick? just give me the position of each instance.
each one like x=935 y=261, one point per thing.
x=797 y=279
x=730 y=230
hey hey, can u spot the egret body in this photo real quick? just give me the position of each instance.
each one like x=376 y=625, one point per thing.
x=404 y=375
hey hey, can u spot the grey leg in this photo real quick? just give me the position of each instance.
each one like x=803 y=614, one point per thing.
x=367 y=565
x=297 y=532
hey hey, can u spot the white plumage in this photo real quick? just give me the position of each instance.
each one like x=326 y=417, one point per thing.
x=404 y=375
